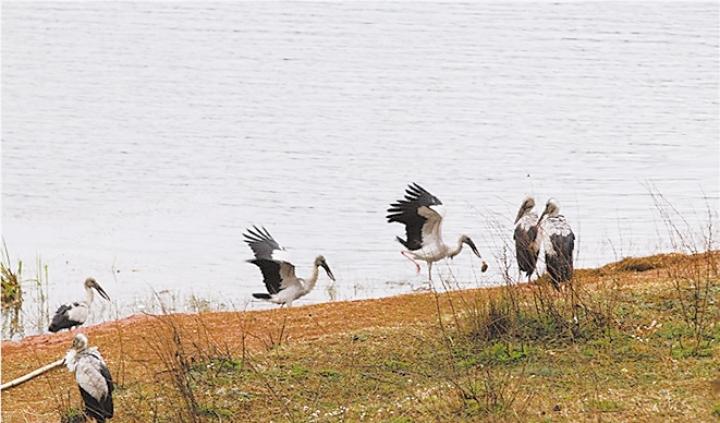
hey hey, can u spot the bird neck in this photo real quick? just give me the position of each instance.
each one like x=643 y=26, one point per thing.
x=456 y=249
x=312 y=280
x=89 y=295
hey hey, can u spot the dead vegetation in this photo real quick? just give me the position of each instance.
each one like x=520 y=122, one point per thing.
x=617 y=345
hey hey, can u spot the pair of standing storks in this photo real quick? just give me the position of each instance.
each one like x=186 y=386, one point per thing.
x=421 y=213
x=553 y=231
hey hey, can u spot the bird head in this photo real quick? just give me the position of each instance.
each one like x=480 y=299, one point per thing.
x=80 y=342
x=320 y=262
x=92 y=284
x=551 y=209
x=525 y=207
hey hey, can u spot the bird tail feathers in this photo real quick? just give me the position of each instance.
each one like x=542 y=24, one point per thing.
x=260 y=296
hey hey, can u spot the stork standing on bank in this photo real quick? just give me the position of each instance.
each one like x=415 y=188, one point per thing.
x=422 y=214
x=72 y=315
x=93 y=378
x=278 y=272
x=558 y=243
x=527 y=243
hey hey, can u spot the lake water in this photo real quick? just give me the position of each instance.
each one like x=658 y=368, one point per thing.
x=140 y=140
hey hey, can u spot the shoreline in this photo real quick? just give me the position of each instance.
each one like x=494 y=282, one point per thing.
x=133 y=346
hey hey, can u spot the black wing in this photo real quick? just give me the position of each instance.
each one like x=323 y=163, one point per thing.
x=61 y=319
x=560 y=264
x=262 y=243
x=525 y=250
x=271 y=274
x=405 y=211
x=98 y=410
x=62 y=309
x=107 y=403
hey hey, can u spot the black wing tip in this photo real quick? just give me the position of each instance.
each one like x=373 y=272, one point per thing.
x=261 y=296
x=256 y=232
x=416 y=189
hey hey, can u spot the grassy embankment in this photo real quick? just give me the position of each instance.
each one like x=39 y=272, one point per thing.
x=636 y=340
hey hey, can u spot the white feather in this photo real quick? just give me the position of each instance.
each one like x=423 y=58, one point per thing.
x=88 y=376
x=70 y=360
x=527 y=221
x=78 y=313
x=556 y=225
x=281 y=255
x=439 y=209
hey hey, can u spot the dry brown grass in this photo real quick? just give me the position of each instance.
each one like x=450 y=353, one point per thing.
x=392 y=359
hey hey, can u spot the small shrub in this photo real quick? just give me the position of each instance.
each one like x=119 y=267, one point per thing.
x=606 y=406
x=716 y=410
x=72 y=415
x=211 y=411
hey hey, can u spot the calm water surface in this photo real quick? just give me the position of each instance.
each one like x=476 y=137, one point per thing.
x=145 y=138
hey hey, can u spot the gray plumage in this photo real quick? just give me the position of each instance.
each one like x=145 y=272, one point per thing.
x=93 y=378
x=525 y=235
x=558 y=243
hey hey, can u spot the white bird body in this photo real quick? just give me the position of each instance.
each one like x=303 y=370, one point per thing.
x=79 y=312
x=422 y=214
x=93 y=378
x=282 y=284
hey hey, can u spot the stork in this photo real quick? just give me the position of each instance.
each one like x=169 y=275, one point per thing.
x=72 y=315
x=278 y=272
x=422 y=214
x=558 y=243
x=93 y=378
x=527 y=245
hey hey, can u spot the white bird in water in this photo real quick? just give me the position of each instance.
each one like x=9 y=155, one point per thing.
x=71 y=315
x=558 y=242
x=278 y=272
x=527 y=244
x=93 y=378
x=422 y=214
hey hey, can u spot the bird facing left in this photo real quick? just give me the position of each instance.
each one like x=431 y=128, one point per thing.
x=93 y=378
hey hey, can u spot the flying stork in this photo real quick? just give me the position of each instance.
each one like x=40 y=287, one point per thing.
x=74 y=314
x=278 y=272
x=93 y=378
x=558 y=242
x=422 y=214
x=527 y=245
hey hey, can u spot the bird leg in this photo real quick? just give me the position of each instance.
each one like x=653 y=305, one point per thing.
x=429 y=264
x=409 y=257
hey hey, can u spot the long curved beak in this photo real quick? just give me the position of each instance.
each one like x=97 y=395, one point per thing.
x=329 y=272
x=542 y=215
x=472 y=246
x=519 y=215
x=474 y=249
x=102 y=292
